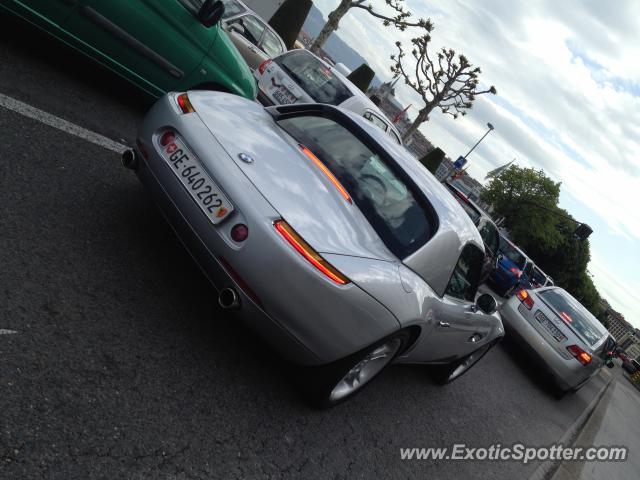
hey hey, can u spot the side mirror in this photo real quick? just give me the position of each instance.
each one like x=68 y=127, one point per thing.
x=236 y=27
x=487 y=303
x=210 y=13
x=609 y=364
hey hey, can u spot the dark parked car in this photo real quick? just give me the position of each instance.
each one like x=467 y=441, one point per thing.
x=514 y=270
x=486 y=227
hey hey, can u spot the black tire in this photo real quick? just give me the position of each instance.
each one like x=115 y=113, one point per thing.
x=321 y=385
x=444 y=374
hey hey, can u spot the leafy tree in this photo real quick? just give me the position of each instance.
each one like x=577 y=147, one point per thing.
x=362 y=76
x=528 y=201
x=444 y=82
x=289 y=18
x=433 y=159
x=400 y=20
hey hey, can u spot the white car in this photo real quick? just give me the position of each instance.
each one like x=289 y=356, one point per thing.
x=298 y=76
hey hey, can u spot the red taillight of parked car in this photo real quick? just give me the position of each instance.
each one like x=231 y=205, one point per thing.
x=313 y=257
x=263 y=66
x=516 y=272
x=184 y=103
x=583 y=357
x=525 y=298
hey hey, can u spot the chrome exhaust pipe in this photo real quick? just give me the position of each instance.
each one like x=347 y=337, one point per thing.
x=229 y=299
x=129 y=159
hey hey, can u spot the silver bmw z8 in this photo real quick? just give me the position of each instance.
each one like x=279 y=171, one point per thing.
x=327 y=238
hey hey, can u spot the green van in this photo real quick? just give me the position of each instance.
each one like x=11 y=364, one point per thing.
x=159 y=45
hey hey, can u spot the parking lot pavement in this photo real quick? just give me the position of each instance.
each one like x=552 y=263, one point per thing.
x=120 y=365
x=613 y=423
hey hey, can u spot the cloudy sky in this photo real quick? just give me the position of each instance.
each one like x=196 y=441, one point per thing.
x=568 y=80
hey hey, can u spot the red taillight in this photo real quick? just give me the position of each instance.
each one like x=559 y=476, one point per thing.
x=323 y=168
x=167 y=138
x=583 y=357
x=263 y=66
x=566 y=317
x=184 y=103
x=239 y=232
x=304 y=249
x=525 y=298
x=516 y=272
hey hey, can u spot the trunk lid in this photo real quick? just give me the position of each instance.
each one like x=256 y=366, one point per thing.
x=287 y=178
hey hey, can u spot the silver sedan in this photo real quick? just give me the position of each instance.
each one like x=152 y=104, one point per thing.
x=325 y=236
x=567 y=340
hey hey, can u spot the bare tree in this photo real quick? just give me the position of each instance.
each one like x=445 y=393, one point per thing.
x=400 y=20
x=446 y=82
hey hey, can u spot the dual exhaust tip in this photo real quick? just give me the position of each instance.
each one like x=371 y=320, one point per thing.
x=129 y=159
x=228 y=299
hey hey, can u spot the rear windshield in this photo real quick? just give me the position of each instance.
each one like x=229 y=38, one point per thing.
x=512 y=253
x=574 y=314
x=314 y=77
x=381 y=190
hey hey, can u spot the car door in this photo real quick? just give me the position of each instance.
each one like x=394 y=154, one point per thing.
x=246 y=33
x=156 y=44
x=460 y=327
x=56 y=11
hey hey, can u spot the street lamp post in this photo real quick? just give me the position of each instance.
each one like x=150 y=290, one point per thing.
x=458 y=169
x=478 y=142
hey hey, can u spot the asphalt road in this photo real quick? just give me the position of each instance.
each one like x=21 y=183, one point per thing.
x=123 y=366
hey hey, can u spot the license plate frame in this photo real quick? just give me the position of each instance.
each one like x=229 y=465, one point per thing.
x=283 y=96
x=549 y=326
x=197 y=182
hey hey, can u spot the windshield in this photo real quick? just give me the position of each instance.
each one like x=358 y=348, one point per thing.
x=573 y=314
x=231 y=8
x=473 y=214
x=314 y=77
x=383 y=193
x=489 y=234
x=510 y=252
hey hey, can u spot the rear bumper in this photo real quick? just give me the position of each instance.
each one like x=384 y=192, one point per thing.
x=568 y=373
x=303 y=315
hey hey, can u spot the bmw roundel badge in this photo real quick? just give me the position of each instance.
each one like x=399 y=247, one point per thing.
x=245 y=157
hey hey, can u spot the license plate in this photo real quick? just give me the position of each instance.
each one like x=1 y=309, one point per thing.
x=551 y=328
x=215 y=205
x=283 y=96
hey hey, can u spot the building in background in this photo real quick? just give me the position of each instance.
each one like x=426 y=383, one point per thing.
x=618 y=327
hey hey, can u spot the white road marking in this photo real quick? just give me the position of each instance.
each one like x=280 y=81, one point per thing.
x=7 y=332
x=59 y=123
